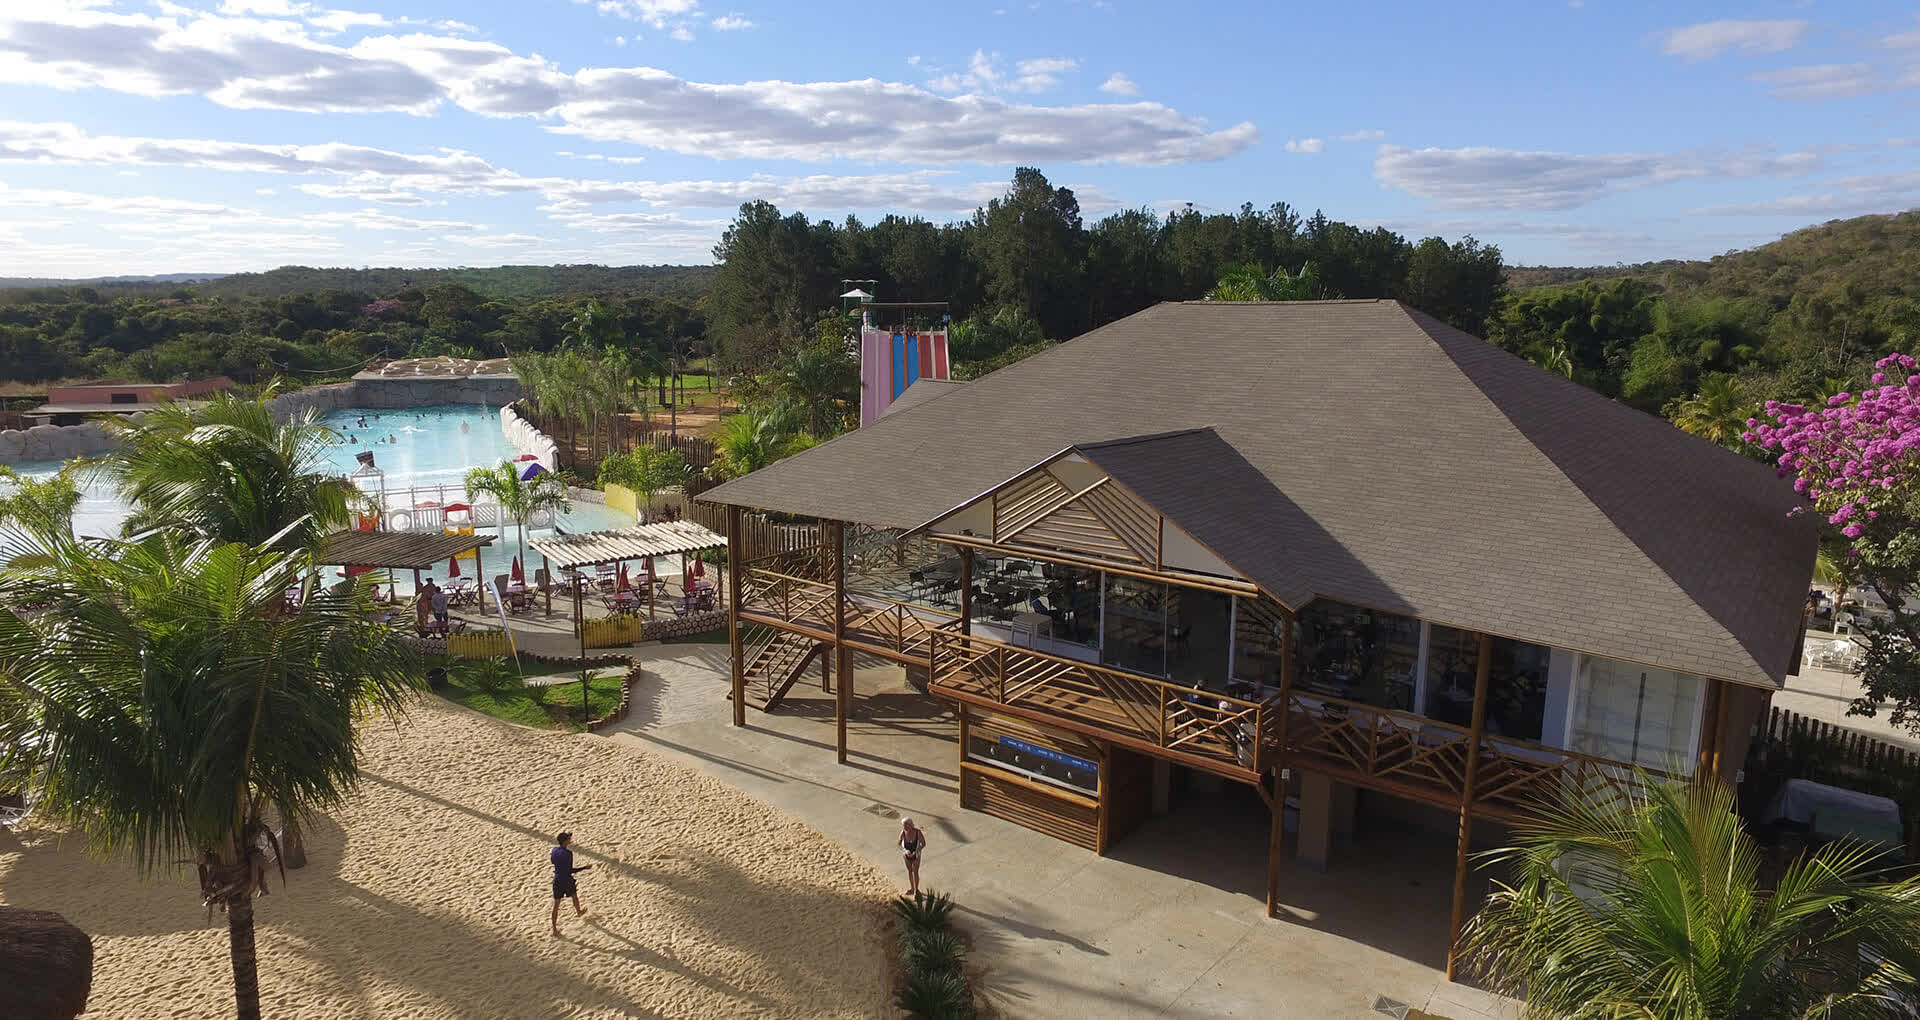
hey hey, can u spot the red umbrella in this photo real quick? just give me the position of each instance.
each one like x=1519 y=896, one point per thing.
x=453 y=566
x=699 y=567
x=622 y=584
x=524 y=458
x=519 y=577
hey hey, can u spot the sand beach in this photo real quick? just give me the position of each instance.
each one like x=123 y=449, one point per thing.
x=427 y=896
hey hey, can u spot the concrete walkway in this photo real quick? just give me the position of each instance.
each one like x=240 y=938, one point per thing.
x=1171 y=923
x=1825 y=694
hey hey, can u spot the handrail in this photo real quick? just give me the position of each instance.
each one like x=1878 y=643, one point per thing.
x=1167 y=685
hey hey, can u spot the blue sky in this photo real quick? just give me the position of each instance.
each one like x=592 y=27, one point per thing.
x=218 y=135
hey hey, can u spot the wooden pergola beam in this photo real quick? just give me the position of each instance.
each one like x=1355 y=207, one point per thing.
x=1477 y=730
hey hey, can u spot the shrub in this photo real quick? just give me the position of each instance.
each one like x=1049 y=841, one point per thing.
x=933 y=951
x=924 y=911
x=495 y=676
x=935 y=995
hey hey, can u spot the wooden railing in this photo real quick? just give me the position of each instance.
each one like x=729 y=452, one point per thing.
x=1420 y=757
x=789 y=598
x=899 y=627
x=1213 y=730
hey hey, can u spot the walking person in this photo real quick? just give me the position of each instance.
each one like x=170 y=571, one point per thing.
x=912 y=841
x=440 y=603
x=563 y=872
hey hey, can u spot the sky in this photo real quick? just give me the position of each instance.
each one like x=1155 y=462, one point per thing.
x=151 y=136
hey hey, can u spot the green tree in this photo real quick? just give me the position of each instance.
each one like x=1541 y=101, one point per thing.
x=822 y=380
x=755 y=438
x=1245 y=282
x=519 y=498
x=229 y=472
x=1718 y=413
x=43 y=505
x=159 y=699
x=645 y=470
x=1029 y=244
x=1652 y=905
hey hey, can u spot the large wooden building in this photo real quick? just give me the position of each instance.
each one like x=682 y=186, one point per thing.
x=1312 y=547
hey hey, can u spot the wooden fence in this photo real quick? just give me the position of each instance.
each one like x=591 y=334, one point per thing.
x=697 y=450
x=1793 y=746
x=760 y=535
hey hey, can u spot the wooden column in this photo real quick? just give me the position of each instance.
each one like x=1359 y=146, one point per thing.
x=1709 y=761
x=1466 y=802
x=960 y=771
x=843 y=694
x=480 y=575
x=966 y=591
x=548 y=568
x=1282 y=775
x=733 y=618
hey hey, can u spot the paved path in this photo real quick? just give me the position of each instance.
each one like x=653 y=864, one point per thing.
x=1824 y=694
x=1169 y=924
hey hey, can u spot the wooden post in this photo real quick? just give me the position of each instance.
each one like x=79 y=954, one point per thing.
x=1282 y=775
x=842 y=694
x=580 y=614
x=733 y=619
x=1466 y=802
x=548 y=567
x=1709 y=762
x=966 y=590
x=961 y=772
x=480 y=572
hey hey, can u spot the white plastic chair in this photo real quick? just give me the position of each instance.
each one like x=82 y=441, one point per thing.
x=1842 y=622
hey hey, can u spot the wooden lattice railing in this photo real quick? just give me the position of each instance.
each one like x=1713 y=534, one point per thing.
x=896 y=626
x=1221 y=731
x=1413 y=755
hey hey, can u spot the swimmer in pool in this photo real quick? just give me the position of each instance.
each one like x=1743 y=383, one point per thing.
x=355 y=440
x=390 y=439
x=361 y=422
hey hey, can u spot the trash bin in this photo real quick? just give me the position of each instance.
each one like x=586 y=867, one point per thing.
x=436 y=678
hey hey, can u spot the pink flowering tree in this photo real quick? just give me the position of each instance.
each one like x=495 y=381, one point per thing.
x=1857 y=460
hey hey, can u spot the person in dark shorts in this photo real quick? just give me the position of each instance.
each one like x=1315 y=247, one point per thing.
x=912 y=841
x=563 y=872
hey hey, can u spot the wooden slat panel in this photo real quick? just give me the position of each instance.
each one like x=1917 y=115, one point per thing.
x=1027 y=804
x=1135 y=524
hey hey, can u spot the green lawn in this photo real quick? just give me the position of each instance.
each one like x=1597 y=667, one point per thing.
x=705 y=637
x=558 y=706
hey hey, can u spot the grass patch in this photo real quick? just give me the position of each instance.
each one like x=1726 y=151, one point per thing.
x=555 y=707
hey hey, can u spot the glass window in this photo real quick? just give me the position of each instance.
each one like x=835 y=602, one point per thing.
x=1516 y=682
x=1636 y=714
x=1136 y=625
x=1257 y=630
x=1031 y=759
x=1199 y=634
x=1360 y=654
x=1008 y=588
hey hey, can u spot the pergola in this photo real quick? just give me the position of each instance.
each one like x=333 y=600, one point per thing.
x=594 y=548
x=403 y=550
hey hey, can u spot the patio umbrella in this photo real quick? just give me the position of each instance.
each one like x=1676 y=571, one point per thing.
x=519 y=577
x=532 y=471
x=453 y=566
x=621 y=584
x=699 y=567
x=523 y=458
x=51 y=962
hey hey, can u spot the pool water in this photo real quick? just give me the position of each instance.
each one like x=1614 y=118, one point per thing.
x=432 y=448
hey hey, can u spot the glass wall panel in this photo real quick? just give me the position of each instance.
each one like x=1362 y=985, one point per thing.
x=1636 y=714
x=1199 y=632
x=914 y=569
x=1360 y=654
x=1517 y=689
x=1257 y=631
x=1135 y=637
x=1010 y=591
x=1453 y=663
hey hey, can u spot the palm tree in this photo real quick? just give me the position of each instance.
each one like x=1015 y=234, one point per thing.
x=519 y=498
x=157 y=701
x=1246 y=282
x=229 y=472
x=755 y=438
x=820 y=379
x=1651 y=905
x=1718 y=413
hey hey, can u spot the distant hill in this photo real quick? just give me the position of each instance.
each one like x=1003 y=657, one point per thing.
x=505 y=283
x=1875 y=255
x=155 y=280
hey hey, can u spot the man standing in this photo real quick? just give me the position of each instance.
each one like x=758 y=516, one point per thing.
x=440 y=601
x=563 y=872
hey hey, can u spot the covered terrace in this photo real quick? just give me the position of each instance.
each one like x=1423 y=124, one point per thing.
x=405 y=550
x=607 y=553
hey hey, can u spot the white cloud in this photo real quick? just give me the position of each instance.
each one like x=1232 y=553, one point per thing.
x=681 y=33
x=1712 y=38
x=731 y=23
x=1365 y=135
x=276 y=64
x=1492 y=178
x=1842 y=196
x=1120 y=85
x=656 y=13
x=1904 y=40
x=1308 y=145
x=983 y=74
x=1815 y=82
x=602 y=157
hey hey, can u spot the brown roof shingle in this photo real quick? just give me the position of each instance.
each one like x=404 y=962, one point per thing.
x=1362 y=451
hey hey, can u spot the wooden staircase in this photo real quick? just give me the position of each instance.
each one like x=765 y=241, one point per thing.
x=775 y=663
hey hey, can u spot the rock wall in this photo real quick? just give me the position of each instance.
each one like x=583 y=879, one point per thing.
x=54 y=442
x=527 y=439
x=61 y=442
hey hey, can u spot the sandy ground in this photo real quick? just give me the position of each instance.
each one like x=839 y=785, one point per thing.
x=428 y=896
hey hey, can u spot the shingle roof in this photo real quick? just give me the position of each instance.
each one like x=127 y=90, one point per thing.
x=921 y=391
x=1362 y=451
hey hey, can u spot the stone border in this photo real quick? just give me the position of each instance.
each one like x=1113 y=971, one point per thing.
x=634 y=673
